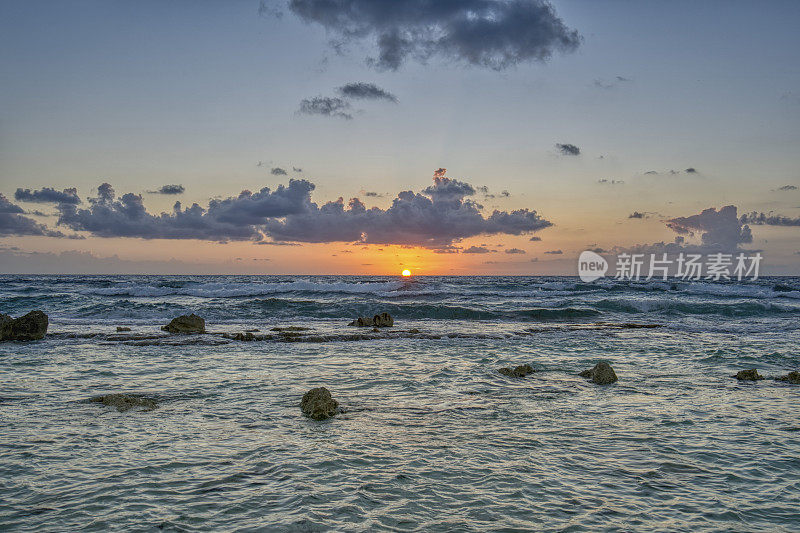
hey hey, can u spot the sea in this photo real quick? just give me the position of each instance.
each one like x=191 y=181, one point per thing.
x=430 y=436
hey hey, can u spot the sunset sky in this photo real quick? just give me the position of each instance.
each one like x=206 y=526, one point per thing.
x=464 y=129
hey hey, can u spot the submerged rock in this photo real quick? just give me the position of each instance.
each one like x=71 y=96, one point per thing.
x=602 y=374
x=362 y=322
x=30 y=327
x=319 y=404
x=120 y=329
x=290 y=328
x=791 y=377
x=186 y=324
x=383 y=320
x=517 y=372
x=124 y=402
x=748 y=375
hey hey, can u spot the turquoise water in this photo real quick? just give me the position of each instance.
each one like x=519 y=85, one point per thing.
x=432 y=437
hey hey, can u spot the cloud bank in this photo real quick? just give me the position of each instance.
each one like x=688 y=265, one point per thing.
x=48 y=195
x=494 y=34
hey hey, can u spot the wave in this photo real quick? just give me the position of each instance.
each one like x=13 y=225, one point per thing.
x=234 y=290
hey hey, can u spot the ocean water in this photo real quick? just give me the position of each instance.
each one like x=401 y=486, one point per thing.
x=432 y=437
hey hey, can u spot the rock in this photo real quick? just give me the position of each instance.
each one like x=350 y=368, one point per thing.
x=186 y=324
x=791 y=377
x=383 y=320
x=124 y=402
x=375 y=330
x=602 y=374
x=120 y=329
x=413 y=330
x=362 y=322
x=517 y=372
x=318 y=404
x=30 y=327
x=290 y=328
x=748 y=375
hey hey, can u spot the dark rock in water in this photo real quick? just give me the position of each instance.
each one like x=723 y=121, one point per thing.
x=375 y=330
x=290 y=328
x=602 y=374
x=125 y=402
x=362 y=322
x=383 y=320
x=748 y=375
x=120 y=329
x=791 y=377
x=318 y=404
x=30 y=327
x=413 y=330
x=254 y=330
x=517 y=372
x=186 y=324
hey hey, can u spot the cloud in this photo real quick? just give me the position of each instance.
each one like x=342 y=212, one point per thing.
x=764 y=219
x=651 y=173
x=477 y=250
x=554 y=252
x=691 y=170
x=568 y=149
x=277 y=171
x=298 y=170
x=234 y=218
x=535 y=239
x=326 y=106
x=435 y=218
x=170 y=189
x=13 y=222
x=718 y=229
x=484 y=33
x=365 y=91
x=515 y=251
x=48 y=195
x=604 y=181
x=788 y=188
x=602 y=84
x=371 y=194
x=637 y=214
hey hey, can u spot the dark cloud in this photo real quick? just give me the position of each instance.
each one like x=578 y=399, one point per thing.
x=48 y=195
x=365 y=91
x=610 y=182
x=326 y=106
x=602 y=84
x=568 y=149
x=535 y=239
x=233 y=218
x=484 y=33
x=277 y=171
x=435 y=218
x=170 y=189
x=637 y=214
x=515 y=251
x=719 y=229
x=691 y=170
x=298 y=170
x=371 y=194
x=13 y=222
x=650 y=172
x=787 y=188
x=476 y=250
x=768 y=219
x=554 y=252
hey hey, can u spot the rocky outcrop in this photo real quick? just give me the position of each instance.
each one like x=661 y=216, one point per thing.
x=602 y=374
x=383 y=320
x=30 y=327
x=517 y=372
x=186 y=324
x=748 y=375
x=289 y=328
x=125 y=402
x=791 y=377
x=319 y=404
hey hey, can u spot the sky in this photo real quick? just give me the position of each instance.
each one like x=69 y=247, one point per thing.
x=476 y=136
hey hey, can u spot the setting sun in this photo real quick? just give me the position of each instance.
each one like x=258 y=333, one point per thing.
x=406 y=273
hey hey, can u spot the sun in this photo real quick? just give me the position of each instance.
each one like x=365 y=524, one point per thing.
x=406 y=273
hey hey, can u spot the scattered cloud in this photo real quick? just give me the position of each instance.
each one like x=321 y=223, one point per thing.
x=554 y=252
x=297 y=170
x=278 y=171
x=637 y=214
x=326 y=106
x=768 y=219
x=365 y=91
x=604 y=181
x=535 y=239
x=14 y=222
x=371 y=194
x=691 y=170
x=788 y=188
x=477 y=250
x=568 y=149
x=615 y=82
x=483 y=33
x=47 y=195
x=169 y=189
x=515 y=251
